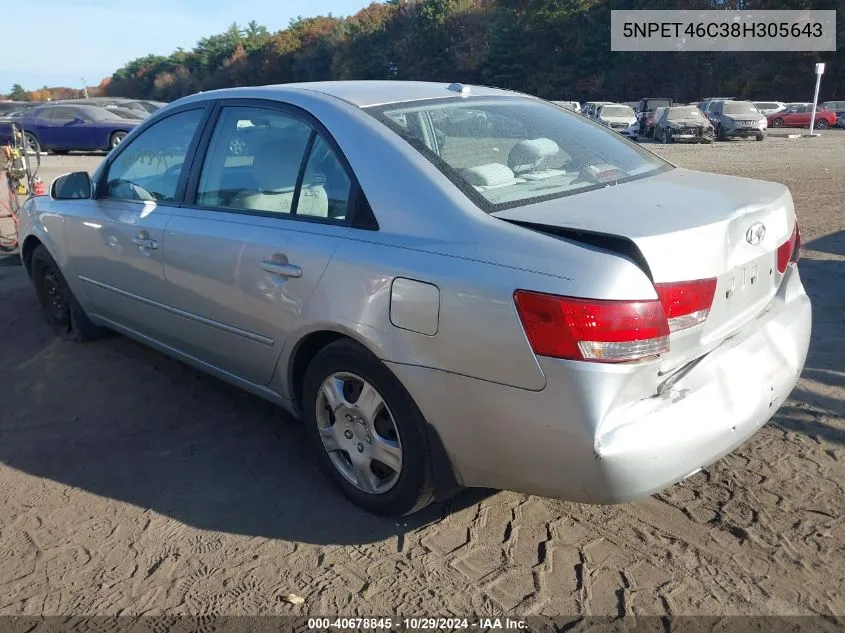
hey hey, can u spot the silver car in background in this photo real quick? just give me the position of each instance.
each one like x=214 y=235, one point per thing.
x=616 y=116
x=450 y=285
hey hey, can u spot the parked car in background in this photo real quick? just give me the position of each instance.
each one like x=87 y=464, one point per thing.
x=589 y=108
x=439 y=312
x=569 y=105
x=7 y=107
x=705 y=105
x=645 y=113
x=737 y=119
x=798 y=115
x=683 y=124
x=841 y=122
x=63 y=128
x=128 y=113
x=837 y=107
x=616 y=116
x=768 y=107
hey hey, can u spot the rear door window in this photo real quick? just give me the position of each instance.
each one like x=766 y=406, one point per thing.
x=271 y=161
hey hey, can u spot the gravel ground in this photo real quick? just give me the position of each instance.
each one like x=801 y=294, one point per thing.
x=132 y=484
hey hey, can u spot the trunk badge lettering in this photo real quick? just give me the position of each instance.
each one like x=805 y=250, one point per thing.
x=755 y=233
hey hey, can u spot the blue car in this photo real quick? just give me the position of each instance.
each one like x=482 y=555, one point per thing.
x=63 y=128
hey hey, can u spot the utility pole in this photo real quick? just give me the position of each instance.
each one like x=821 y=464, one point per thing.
x=84 y=88
x=819 y=73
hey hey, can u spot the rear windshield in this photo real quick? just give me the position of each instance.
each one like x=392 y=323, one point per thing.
x=687 y=112
x=658 y=103
x=619 y=111
x=510 y=151
x=740 y=107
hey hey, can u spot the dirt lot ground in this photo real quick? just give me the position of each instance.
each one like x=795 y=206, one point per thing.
x=132 y=484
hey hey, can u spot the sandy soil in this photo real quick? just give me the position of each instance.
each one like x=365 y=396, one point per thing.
x=132 y=484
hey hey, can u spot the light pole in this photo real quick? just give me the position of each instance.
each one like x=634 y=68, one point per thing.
x=819 y=73
x=84 y=88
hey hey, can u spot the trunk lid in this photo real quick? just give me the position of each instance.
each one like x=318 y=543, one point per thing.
x=688 y=225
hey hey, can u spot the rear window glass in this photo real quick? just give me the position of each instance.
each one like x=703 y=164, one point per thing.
x=658 y=103
x=510 y=151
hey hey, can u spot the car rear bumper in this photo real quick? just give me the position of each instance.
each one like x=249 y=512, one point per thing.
x=573 y=440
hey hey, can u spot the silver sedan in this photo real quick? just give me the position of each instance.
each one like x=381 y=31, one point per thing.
x=450 y=285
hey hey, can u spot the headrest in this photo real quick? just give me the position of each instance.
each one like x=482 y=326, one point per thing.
x=488 y=175
x=529 y=155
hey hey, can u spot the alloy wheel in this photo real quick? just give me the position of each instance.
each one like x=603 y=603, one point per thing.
x=359 y=433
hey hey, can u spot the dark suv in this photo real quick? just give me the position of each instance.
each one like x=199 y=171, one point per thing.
x=737 y=119
x=645 y=113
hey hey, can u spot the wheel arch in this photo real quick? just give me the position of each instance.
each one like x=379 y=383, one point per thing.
x=446 y=482
x=29 y=245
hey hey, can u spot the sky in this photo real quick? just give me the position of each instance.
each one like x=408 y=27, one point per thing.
x=72 y=39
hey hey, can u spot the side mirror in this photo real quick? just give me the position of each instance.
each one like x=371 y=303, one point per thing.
x=75 y=186
x=78 y=120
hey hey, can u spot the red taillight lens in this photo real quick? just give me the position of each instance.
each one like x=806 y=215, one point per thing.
x=590 y=329
x=686 y=303
x=788 y=251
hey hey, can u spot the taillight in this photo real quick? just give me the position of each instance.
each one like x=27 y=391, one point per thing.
x=788 y=251
x=591 y=329
x=686 y=303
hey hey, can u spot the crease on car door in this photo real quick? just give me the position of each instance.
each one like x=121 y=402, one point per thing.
x=240 y=267
x=116 y=240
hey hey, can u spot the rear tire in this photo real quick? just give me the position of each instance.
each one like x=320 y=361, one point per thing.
x=61 y=309
x=347 y=366
x=116 y=139
x=32 y=144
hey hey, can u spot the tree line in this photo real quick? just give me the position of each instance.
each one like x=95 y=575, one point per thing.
x=556 y=49
x=18 y=93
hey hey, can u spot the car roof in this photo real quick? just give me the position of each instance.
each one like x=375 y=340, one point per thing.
x=365 y=93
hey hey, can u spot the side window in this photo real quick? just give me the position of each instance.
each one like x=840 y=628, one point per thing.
x=62 y=114
x=48 y=113
x=255 y=160
x=150 y=166
x=325 y=184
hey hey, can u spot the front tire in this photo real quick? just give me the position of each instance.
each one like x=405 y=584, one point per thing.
x=61 y=309
x=369 y=434
x=116 y=139
x=777 y=122
x=821 y=124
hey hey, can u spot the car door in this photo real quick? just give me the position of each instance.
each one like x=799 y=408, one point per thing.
x=44 y=124
x=261 y=220
x=115 y=240
x=797 y=116
x=69 y=129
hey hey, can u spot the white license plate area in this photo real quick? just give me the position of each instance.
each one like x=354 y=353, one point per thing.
x=747 y=284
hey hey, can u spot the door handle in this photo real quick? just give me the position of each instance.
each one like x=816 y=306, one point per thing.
x=145 y=242
x=285 y=270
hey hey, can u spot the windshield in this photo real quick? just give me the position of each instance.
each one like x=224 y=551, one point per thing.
x=619 y=111
x=740 y=107
x=509 y=151
x=657 y=103
x=690 y=112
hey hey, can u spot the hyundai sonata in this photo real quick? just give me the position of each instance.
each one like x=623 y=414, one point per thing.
x=450 y=285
